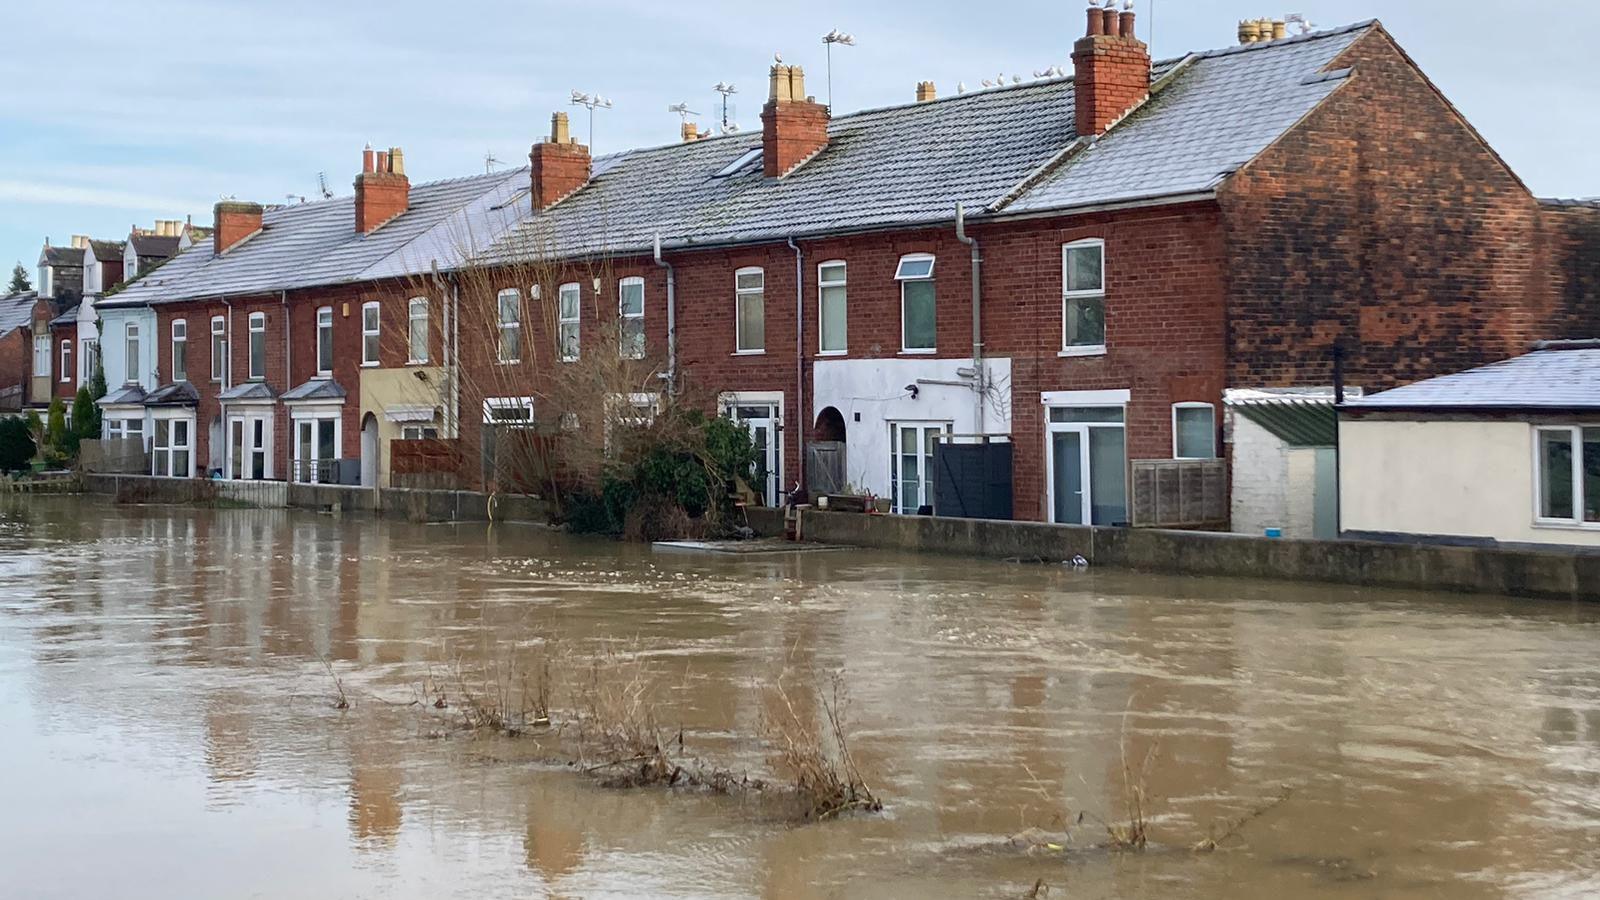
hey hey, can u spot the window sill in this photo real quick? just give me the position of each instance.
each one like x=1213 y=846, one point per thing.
x=1096 y=350
x=508 y=362
x=748 y=353
x=367 y=365
x=416 y=362
x=928 y=352
x=825 y=353
x=1565 y=525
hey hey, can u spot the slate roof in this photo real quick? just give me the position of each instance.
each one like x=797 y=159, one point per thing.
x=307 y=244
x=107 y=251
x=154 y=246
x=997 y=151
x=63 y=256
x=16 y=309
x=69 y=316
x=1297 y=421
x=1559 y=379
x=250 y=390
x=127 y=395
x=316 y=389
x=181 y=393
x=1002 y=151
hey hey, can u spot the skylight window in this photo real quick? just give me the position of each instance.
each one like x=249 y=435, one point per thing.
x=738 y=165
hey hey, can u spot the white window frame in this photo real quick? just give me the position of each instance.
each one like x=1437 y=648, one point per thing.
x=491 y=405
x=419 y=431
x=371 y=334
x=157 y=451
x=412 y=319
x=731 y=402
x=741 y=344
x=47 y=282
x=901 y=276
x=1211 y=411
x=41 y=355
x=925 y=461
x=1068 y=296
x=132 y=345
x=626 y=347
x=66 y=360
x=1579 y=498
x=257 y=324
x=1107 y=399
x=117 y=427
x=504 y=325
x=316 y=414
x=844 y=282
x=574 y=322
x=180 y=336
x=247 y=418
x=219 y=349
x=325 y=340
x=88 y=358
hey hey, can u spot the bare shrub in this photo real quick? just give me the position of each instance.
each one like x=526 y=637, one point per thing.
x=813 y=753
x=500 y=698
x=1222 y=831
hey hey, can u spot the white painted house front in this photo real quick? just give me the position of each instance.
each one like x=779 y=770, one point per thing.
x=1504 y=454
x=895 y=410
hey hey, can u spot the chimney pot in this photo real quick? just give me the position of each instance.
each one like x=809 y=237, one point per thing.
x=397 y=161
x=794 y=127
x=1097 y=21
x=926 y=92
x=558 y=166
x=383 y=161
x=1112 y=71
x=368 y=160
x=1280 y=29
x=691 y=132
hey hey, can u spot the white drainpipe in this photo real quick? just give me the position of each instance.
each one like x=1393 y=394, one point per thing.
x=977 y=311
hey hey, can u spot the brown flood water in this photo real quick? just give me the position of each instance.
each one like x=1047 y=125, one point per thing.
x=165 y=729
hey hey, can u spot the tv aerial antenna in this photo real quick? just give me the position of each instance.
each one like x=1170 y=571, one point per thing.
x=726 y=89
x=591 y=102
x=322 y=186
x=489 y=161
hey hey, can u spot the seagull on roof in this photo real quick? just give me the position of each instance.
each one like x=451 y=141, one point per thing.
x=777 y=57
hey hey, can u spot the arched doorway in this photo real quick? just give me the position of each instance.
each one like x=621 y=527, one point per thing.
x=370 y=449
x=825 y=454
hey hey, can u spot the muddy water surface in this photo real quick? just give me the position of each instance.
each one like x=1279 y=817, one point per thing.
x=166 y=730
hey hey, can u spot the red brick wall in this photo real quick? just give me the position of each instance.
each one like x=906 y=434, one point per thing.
x=1575 y=270
x=65 y=334
x=1384 y=223
x=15 y=362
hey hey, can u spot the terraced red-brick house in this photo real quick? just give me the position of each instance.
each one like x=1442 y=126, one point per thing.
x=1145 y=236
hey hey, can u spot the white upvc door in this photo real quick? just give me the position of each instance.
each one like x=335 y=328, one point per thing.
x=911 y=464
x=249 y=447
x=316 y=448
x=763 y=415
x=1085 y=450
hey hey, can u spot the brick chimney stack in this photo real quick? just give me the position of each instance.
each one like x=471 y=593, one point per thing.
x=234 y=220
x=560 y=165
x=382 y=189
x=1112 y=69
x=794 y=127
x=691 y=132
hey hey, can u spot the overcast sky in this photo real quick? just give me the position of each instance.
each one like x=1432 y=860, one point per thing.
x=115 y=113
